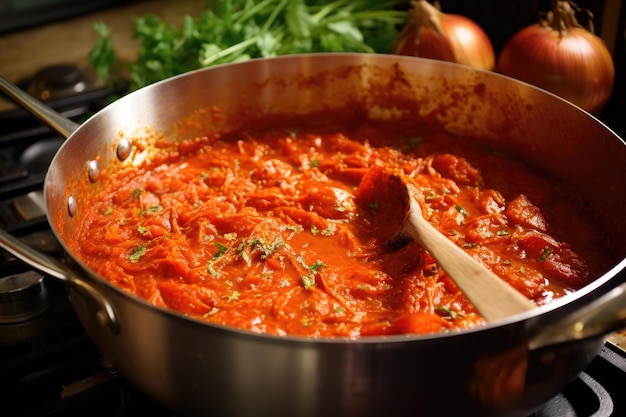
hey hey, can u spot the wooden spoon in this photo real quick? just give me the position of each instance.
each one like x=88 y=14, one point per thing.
x=492 y=297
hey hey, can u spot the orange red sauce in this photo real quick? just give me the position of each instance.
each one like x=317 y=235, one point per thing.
x=261 y=230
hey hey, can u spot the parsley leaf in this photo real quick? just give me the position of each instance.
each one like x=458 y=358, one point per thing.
x=462 y=210
x=138 y=252
x=102 y=55
x=308 y=280
x=545 y=253
x=221 y=249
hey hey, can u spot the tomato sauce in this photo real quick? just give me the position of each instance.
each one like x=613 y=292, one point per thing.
x=261 y=230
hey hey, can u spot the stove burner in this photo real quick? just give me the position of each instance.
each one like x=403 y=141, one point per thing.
x=22 y=297
x=36 y=158
x=61 y=80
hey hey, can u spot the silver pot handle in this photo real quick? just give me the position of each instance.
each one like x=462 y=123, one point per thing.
x=599 y=318
x=54 y=120
x=54 y=268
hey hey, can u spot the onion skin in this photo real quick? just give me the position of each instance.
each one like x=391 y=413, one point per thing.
x=567 y=60
x=430 y=33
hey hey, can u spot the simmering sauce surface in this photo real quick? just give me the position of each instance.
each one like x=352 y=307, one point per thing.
x=263 y=230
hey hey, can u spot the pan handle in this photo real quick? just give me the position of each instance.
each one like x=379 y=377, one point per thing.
x=54 y=120
x=54 y=268
x=602 y=316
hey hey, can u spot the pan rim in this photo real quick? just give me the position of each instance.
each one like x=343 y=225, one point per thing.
x=603 y=281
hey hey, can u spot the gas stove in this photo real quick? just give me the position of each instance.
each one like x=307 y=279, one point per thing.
x=48 y=364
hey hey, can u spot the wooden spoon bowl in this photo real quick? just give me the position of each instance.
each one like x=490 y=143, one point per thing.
x=492 y=297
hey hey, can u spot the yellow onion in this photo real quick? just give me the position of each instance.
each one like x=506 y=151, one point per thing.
x=560 y=55
x=430 y=33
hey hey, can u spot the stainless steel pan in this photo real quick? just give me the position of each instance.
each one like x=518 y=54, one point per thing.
x=504 y=369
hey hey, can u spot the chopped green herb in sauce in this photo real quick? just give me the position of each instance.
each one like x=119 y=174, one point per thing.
x=545 y=253
x=138 y=253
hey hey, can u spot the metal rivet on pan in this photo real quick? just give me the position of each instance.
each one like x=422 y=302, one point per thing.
x=71 y=206
x=93 y=170
x=123 y=149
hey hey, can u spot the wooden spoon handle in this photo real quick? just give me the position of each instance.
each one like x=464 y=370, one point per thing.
x=491 y=296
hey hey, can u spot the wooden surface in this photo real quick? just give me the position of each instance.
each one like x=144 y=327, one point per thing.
x=69 y=41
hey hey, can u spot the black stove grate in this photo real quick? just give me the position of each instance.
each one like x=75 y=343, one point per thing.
x=597 y=392
x=27 y=147
x=50 y=367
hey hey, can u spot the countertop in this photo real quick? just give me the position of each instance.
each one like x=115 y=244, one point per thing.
x=69 y=41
